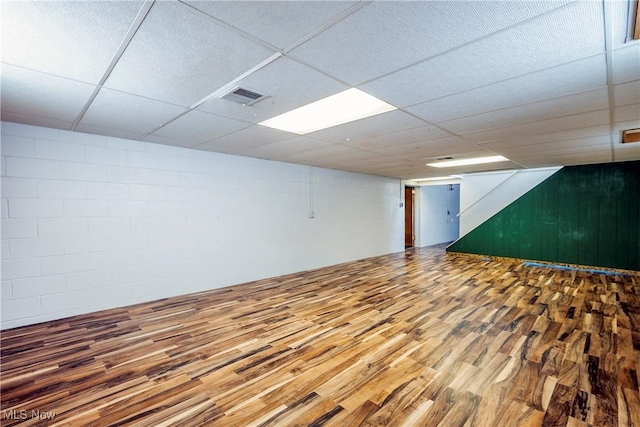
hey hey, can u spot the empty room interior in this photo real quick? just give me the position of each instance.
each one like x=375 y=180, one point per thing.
x=320 y=213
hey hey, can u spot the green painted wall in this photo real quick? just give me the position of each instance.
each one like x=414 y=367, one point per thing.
x=585 y=215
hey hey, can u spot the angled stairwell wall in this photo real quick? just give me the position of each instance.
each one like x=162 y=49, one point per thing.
x=586 y=215
x=484 y=194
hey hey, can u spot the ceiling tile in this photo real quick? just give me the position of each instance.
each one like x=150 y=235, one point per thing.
x=571 y=33
x=33 y=93
x=552 y=147
x=260 y=154
x=524 y=79
x=626 y=63
x=565 y=79
x=122 y=111
x=582 y=160
x=288 y=84
x=619 y=127
x=370 y=127
x=311 y=162
x=320 y=153
x=345 y=160
x=37 y=35
x=618 y=12
x=409 y=136
x=564 y=135
x=575 y=121
x=116 y=133
x=196 y=127
x=167 y=141
x=542 y=110
x=598 y=153
x=284 y=148
x=397 y=163
x=627 y=113
x=566 y=153
x=386 y=36
x=627 y=151
x=439 y=147
x=183 y=56
x=626 y=93
x=246 y=139
x=371 y=160
x=27 y=119
x=279 y=23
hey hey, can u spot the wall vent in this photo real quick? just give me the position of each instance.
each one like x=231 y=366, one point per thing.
x=243 y=96
x=631 y=135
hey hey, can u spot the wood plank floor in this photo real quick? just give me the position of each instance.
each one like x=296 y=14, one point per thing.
x=417 y=338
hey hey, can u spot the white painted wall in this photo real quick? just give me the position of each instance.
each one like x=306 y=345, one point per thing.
x=439 y=207
x=483 y=195
x=91 y=222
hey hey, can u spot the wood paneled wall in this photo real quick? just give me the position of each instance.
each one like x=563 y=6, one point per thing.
x=585 y=215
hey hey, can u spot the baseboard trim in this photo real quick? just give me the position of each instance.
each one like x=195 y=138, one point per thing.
x=549 y=264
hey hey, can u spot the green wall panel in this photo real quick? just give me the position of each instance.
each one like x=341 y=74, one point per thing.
x=584 y=215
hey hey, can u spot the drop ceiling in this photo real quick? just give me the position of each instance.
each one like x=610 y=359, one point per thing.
x=543 y=83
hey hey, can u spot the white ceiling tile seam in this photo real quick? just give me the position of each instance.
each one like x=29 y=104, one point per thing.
x=229 y=86
x=554 y=90
x=470 y=42
x=227 y=26
x=133 y=29
x=473 y=143
x=327 y=25
x=530 y=73
x=510 y=107
x=221 y=91
x=279 y=53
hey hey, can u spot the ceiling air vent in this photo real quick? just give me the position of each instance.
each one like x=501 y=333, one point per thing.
x=243 y=96
x=631 y=135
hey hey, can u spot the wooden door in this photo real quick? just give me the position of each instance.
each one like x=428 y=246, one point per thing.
x=408 y=217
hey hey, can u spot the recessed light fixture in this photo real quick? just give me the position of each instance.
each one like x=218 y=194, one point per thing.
x=438 y=178
x=344 y=107
x=465 y=162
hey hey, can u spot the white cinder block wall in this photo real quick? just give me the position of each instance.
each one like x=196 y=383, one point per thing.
x=92 y=222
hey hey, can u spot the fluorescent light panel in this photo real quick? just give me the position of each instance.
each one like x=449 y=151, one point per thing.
x=344 y=107
x=465 y=162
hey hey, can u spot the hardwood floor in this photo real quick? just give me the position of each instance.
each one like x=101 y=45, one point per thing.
x=416 y=338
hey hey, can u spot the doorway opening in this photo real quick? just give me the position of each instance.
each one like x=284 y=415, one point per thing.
x=439 y=209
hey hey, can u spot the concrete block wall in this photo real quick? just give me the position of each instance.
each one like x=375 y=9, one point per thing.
x=92 y=222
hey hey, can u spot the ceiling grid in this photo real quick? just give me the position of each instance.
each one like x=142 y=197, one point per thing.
x=142 y=14
x=542 y=83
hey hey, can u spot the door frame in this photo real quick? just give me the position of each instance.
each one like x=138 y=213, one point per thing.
x=410 y=212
